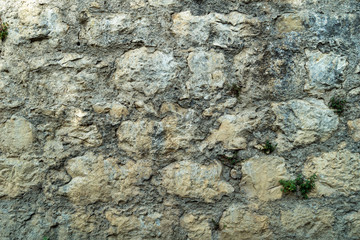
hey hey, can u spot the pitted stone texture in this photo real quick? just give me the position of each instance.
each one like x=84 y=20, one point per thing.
x=308 y=223
x=18 y=176
x=97 y=179
x=338 y=172
x=261 y=177
x=233 y=130
x=192 y=180
x=325 y=71
x=145 y=72
x=303 y=122
x=16 y=136
x=228 y=30
x=207 y=72
x=86 y=135
x=353 y=223
x=104 y=31
x=238 y=223
x=354 y=128
x=197 y=226
x=289 y=23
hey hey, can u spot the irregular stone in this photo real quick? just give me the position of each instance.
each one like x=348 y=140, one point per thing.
x=192 y=180
x=308 y=223
x=136 y=137
x=162 y=3
x=16 y=136
x=198 y=227
x=353 y=221
x=325 y=71
x=207 y=72
x=83 y=221
x=74 y=134
x=145 y=72
x=303 y=122
x=354 y=128
x=261 y=177
x=18 y=176
x=118 y=110
x=289 y=23
x=104 y=31
x=95 y=179
x=233 y=129
x=338 y=172
x=237 y=223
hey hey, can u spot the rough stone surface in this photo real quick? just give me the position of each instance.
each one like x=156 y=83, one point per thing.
x=146 y=119
x=192 y=180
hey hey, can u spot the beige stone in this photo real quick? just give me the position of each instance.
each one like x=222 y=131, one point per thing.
x=18 y=176
x=338 y=172
x=289 y=23
x=197 y=226
x=238 y=223
x=16 y=136
x=75 y=134
x=144 y=71
x=97 y=179
x=192 y=180
x=232 y=131
x=123 y=224
x=83 y=221
x=354 y=128
x=261 y=175
x=308 y=223
x=162 y=3
x=118 y=110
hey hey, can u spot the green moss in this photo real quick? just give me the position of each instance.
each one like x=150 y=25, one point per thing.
x=338 y=104
x=301 y=184
x=3 y=30
x=268 y=147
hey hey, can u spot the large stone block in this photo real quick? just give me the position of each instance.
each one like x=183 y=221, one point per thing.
x=197 y=226
x=188 y=179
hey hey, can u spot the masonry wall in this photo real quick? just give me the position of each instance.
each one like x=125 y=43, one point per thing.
x=146 y=119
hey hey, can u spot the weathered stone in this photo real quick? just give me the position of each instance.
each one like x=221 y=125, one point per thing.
x=354 y=128
x=308 y=223
x=74 y=134
x=261 y=177
x=232 y=131
x=289 y=23
x=118 y=110
x=238 y=223
x=192 y=180
x=338 y=172
x=198 y=227
x=145 y=72
x=16 y=136
x=95 y=179
x=303 y=122
x=353 y=222
x=18 y=176
x=325 y=71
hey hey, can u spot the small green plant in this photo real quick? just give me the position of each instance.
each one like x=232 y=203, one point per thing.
x=46 y=238
x=3 y=30
x=338 y=104
x=301 y=184
x=268 y=147
x=235 y=90
x=230 y=160
x=215 y=224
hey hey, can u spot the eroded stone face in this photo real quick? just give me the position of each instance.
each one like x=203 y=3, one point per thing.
x=306 y=222
x=238 y=223
x=353 y=222
x=338 y=172
x=192 y=180
x=97 y=179
x=16 y=136
x=145 y=72
x=354 y=129
x=198 y=227
x=261 y=177
x=303 y=122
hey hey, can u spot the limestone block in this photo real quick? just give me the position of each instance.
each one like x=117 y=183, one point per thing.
x=261 y=177
x=145 y=72
x=232 y=130
x=289 y=23
x=308 y=223
x=338 y=172
x=16 y=136
x=104 y=31
x=353 y=222
x=97 y=179
x=354 y=128
x=197 y=226
x=74 y=134
x=118 y=110
x=192 y=180
x=207 y=71
x=303 y=122
x=18 y=176
x=324 y=71
x=162 y=3
x=238 y=223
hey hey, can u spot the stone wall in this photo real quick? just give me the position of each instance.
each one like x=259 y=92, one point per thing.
x=145 y=119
